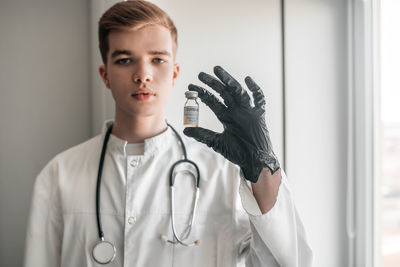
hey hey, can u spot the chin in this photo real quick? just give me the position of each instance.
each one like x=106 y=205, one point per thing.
x=145 y=113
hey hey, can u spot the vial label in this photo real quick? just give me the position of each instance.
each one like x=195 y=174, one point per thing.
x=191 y=116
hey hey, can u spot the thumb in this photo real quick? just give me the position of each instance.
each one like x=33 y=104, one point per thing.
x=202 y=135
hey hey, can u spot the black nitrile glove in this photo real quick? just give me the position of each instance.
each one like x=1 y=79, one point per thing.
x=245 y=140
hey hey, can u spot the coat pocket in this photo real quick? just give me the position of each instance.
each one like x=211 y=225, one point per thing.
x=205 y=253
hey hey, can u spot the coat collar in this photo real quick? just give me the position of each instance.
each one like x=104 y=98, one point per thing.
x=151 y=145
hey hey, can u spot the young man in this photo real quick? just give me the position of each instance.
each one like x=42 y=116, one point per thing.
x=245 y=215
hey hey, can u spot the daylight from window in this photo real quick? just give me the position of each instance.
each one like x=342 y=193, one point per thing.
x=389 y=152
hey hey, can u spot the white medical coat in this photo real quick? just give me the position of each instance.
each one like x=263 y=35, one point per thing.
x=135 y=210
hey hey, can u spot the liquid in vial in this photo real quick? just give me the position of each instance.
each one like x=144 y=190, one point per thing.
x=191 y=110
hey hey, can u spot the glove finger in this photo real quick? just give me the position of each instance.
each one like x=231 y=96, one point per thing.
x=212 y=82
x=258 y=95
x=235 y=89
x=210 y=100
x=203 y=135
x=217 y=86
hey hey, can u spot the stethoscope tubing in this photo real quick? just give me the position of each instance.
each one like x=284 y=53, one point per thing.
x=188 y=229
x=98 y=185
x=171 y=175
x=171 y=181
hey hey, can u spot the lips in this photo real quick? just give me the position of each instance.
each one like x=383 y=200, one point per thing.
x=143 y=95
x=136 y=94
x=143 y=92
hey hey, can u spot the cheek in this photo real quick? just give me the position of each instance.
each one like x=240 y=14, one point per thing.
x=165 y=91
x=170 y=77
x=119 y=78
x=166 y=72
x=119 y=74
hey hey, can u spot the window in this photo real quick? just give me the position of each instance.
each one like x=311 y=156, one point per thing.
x=373 y=197
x=388 y=152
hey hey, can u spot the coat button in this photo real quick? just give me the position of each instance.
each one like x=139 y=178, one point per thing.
x=134 y=162
x=131 y=220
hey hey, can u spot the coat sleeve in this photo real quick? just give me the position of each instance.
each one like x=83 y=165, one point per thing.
x=277 y=237
x=44 y=232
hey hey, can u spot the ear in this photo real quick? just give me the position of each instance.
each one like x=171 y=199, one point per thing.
x=103 y=74
x=175 y=73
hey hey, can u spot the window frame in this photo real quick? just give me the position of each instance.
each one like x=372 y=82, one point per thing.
x=363 y=132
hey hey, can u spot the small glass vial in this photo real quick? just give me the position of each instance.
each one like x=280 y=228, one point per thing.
x=191 y=110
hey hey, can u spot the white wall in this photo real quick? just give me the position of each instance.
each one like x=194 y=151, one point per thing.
x=316 y=81
x=241 y=36
x=244 y=37
x=44 y=102
x=316 y=91
x=102 y=101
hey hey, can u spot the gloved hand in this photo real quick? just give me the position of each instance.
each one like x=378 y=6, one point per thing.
x=245 y=140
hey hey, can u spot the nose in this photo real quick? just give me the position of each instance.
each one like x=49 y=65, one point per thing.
x=142 y=74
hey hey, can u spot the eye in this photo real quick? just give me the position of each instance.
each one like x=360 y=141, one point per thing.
x=158 y=60
x=123 y=61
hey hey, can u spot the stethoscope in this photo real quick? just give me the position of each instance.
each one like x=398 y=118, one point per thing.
x=104 y=251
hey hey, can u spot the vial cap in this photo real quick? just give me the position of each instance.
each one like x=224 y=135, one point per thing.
x=191 y=94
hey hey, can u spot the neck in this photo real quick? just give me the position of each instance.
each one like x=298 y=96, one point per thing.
x=136 y=129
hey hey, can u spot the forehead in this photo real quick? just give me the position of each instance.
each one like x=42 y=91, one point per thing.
x=141 y=40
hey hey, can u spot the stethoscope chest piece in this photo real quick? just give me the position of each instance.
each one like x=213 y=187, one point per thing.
x=104 y=252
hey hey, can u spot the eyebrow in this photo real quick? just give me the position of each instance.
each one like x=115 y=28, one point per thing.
x=160 y=52
x=129 y=53
x=120 y=52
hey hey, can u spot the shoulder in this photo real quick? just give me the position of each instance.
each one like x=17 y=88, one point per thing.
x=75 y=156
x=87 y=148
